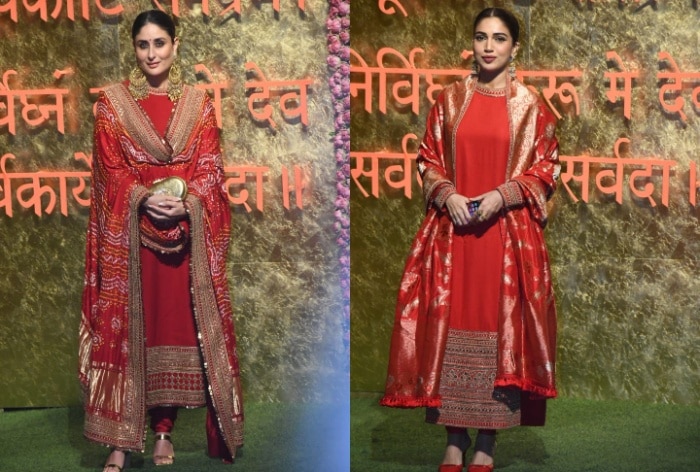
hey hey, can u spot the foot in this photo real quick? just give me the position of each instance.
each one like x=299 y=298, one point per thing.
x=115 y=461
x=457 y=443
x=483 y=448
x=163 y=452
x=481 y=458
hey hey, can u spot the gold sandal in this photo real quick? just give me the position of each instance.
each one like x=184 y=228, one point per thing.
x=112 y=466
x=162 y=459
x=127 y=457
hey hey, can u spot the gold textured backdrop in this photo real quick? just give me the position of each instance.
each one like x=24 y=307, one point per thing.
x=626 y=275
x=283 y=263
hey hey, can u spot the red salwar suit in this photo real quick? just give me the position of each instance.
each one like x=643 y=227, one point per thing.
x=157 y=324
x=475 y=329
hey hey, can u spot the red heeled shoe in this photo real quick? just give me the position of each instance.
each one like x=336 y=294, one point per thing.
x=461 y=440
x=480 y=468
x=450 y=468
x=485 y=443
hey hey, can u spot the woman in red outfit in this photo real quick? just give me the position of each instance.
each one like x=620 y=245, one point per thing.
x=157 y=326
x=475 y=329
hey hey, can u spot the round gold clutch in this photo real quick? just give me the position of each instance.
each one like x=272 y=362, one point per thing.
x=173 y=186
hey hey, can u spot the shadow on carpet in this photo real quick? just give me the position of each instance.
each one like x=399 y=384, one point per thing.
x=580 y=436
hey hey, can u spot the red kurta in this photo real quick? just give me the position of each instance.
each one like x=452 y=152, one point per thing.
x=469 y=366
x=129 y=299
x=477 y=252
x=526 y=336
x=174 y=373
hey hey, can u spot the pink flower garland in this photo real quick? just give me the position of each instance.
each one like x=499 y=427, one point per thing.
x=338 y=26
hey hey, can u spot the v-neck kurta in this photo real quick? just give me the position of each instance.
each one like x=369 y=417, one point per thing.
x=173 y=375
x=158 y=108
x=145 y=284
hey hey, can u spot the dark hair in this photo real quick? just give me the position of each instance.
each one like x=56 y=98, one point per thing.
x=505 y=16
x=155 y=17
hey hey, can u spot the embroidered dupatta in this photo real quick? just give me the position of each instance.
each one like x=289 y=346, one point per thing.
x=527 y=316
x=128 y=155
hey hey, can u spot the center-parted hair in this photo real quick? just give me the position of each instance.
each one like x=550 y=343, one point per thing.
x=156 y=17
x=505 y=16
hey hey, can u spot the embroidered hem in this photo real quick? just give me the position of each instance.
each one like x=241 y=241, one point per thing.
x=174 y=377
x=467 y=385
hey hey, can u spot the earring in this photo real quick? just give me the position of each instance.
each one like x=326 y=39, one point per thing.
x=511 y=68
x=137 y=84
x=475 y=69
x=174 y=82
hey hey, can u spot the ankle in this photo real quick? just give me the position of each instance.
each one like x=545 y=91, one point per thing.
x=484 y=447
x=458 y=437
x=458 y=441
x=163 y=450
x=485 y=441
x=162 y=437
x=116 y=454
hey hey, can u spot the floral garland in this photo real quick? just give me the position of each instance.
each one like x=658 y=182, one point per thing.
x=338 y=26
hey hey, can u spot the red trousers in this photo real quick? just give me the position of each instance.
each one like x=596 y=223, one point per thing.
x=163 y=420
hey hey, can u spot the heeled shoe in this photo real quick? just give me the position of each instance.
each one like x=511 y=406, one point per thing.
x=450 y=468
x=111 y=466
x=463 y=442
x=163 y=459
x=485 y=443
x=480 y=468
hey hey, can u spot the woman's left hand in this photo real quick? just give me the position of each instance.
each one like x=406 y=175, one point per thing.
x=491 y=204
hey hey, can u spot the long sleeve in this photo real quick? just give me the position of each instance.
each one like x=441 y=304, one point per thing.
x=437 y=185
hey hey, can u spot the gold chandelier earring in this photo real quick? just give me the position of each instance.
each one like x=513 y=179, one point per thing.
x=475 y=69
x=511 y=68
x=174 y=82
x=138 y=86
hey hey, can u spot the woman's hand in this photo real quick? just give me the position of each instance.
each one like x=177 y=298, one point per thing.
x=491 y=204
x=458 y=208
x=164 y=209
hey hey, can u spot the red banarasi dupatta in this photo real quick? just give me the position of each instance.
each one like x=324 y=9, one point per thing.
x=128 y=156
x=527 y=316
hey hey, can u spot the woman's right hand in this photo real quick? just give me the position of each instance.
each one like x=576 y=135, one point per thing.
x=458 y=208
x=164 y=209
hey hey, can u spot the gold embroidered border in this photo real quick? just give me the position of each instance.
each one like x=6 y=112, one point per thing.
x=224 y=385
x=488 y=92
x=511 y=193
x=466 y=385
x=187 y=113
x=127 y=430
x=140 y=127
x=174 y=376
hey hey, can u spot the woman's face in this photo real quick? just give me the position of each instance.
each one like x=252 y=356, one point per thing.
x=493 y=46
x=155 y=52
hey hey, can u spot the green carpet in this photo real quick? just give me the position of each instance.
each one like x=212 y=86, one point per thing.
x=580 y=435
x=279 y=437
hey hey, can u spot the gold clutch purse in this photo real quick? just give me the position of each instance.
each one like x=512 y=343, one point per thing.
x=173 y=186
